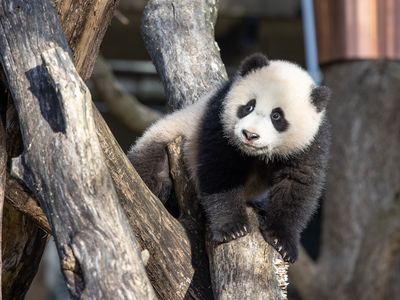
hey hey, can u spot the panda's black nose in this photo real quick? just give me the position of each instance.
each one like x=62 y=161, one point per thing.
x=250 y=136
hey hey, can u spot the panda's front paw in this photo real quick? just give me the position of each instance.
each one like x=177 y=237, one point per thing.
x=284 y=243
x=229 y=231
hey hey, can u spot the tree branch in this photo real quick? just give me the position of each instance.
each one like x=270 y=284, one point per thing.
x=76 y=192
x=3 y=164
x=161 y=234
x=121 y=104
x=84 y=24
x=22 y=200
x=244 y=268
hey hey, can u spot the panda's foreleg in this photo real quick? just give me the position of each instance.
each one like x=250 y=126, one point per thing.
x=151 y=162
x=226 y=215
x=284 y=215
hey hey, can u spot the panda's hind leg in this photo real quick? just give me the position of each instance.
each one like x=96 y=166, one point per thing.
x=151 y=162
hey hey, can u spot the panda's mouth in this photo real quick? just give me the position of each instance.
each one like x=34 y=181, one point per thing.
x=254 y=148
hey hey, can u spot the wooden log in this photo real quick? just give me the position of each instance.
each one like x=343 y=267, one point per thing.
x=84 y=23
x=166 y=240
x=189 y=66
x=62 y=161
x=359 y=252
x=23 y=243
x=3 y=164
x=176 y=267
x=22 y=249
x=120 y=103
x=24 y=201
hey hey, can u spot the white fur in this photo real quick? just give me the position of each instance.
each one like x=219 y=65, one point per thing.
x=281 y=84
x=184 y=122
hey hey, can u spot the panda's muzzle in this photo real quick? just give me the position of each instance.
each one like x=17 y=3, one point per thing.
x=250 y=136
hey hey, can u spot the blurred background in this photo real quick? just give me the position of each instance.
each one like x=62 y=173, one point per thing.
x=352 y=46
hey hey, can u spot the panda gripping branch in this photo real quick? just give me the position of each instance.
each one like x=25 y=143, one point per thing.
x=262 y=139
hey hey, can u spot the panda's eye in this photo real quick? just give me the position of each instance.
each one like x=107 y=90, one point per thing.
x=278 y=119
x=246 y=109
x=276 y=116
x=249 y=108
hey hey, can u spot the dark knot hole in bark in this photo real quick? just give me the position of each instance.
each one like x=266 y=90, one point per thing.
x=50 y=106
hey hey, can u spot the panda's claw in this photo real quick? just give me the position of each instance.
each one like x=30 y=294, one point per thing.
x=228 y=232
x=283 y=243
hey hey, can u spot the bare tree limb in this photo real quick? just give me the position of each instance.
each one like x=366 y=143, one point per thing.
x=3 y=164
x=22 y=242
x=121 y=104
x=183 y=31
x=77 y=194
x=22 y=200
x=22 y=249
x=84 y=23
x=171 y=249
x=164 y=239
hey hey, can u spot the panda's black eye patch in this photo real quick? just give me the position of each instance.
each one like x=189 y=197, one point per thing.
x=278 y=119
x=244 y=110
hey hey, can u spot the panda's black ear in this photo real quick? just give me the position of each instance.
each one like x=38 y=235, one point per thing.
x=253 y=62
x=320 y=96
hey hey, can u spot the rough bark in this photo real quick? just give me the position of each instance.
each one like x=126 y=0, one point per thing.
x=120 y=103
x=183 y=31
x=3 y=164
x=85 y=22
x=158 y=232
x=360 y=246
x=22 y=242
x=54 y=108
x=172 y=267
x=22 y=249
x=24 y=201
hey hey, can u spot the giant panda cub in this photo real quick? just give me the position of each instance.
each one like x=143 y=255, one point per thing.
x=261 y=139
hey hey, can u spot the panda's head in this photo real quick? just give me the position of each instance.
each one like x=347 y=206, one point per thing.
x=273 y=108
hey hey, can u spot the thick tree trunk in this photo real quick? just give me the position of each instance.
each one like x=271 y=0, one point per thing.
x=22 y=238
x=361 y=214
x=23 y=243
x=183 y=32
x=54 y=108
x=3 y=164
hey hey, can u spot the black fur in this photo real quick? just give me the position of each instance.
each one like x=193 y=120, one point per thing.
x=222 y=173
x=320 y=96
x=253 y=62
x=288 y=188
x=292 y=185
x=244 y=110
x=280 y=124
x=153 y=167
